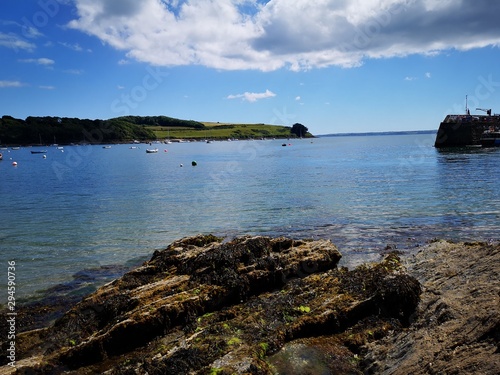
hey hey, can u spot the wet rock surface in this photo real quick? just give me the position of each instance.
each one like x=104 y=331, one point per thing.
x=259 y=305
x=456 y=328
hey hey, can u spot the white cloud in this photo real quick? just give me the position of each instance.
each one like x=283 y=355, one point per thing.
x=74 y=71
x=74 y=47
x=253 y=96
x=297 y=98
x=4 y=84
x=15 y=42
x=31 y=32
x=47 y=87
x=45 y=61
x=268 y=35
x=40 y=61
x=410 y=78
x=428 y=75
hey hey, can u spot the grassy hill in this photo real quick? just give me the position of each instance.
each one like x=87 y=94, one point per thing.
x=216 y=130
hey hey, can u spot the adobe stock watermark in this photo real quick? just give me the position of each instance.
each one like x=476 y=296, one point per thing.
x=365 y=34
x=282 y=117
x=484 y=89
x=11 y=313
x=41 y=18
x=127 y=102
x=124 y=105
x=75 y=156
x=248 y=150
x=418 y=156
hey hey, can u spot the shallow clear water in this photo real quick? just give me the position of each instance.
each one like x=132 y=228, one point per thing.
x=89 y=207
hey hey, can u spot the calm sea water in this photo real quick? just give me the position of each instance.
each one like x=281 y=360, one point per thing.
x=78 y=217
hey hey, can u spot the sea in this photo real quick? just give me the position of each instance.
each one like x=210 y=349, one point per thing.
x=79 y=216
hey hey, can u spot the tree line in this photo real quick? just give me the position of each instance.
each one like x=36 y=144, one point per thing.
x=65 y=130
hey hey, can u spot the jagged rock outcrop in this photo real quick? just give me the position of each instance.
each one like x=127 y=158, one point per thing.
x=253 y=305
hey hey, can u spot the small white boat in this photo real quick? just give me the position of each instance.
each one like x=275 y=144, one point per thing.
x=151 y=150
x=106 y=147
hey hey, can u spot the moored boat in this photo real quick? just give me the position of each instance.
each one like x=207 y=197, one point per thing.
x=151 y=150
x=490 y=139
x=38 y=151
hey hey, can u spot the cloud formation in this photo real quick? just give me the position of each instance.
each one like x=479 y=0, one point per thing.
x=4 y=84
x=298 y=34
x=253 y=96
x=41 y=61
x=74 y=71
x=74 y=47
x=15 y=42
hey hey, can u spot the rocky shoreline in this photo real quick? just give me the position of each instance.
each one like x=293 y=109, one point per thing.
x=259 y=305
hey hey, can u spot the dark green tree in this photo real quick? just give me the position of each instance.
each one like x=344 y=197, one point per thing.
x=299 y=130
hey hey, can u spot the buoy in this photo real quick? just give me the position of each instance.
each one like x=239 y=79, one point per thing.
x=181 y=166
x=193 y=163
x=45 y=156
x=14 y=163
x=165 y=150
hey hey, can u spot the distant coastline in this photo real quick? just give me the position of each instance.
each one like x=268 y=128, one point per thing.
x=126 y=129
x=378 y=133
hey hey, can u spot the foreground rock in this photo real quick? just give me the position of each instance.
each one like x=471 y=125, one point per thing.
x=253 y=305
x=258 y=305
x=456 y=329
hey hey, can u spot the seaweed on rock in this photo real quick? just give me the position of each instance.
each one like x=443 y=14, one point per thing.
x=207 y=306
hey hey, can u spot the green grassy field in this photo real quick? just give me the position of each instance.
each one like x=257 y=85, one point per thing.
x=215 y=130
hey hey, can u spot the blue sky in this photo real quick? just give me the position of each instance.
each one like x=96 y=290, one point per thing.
x=335 y=66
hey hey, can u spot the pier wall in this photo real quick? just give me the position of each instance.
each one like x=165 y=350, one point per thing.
x=462 y=131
